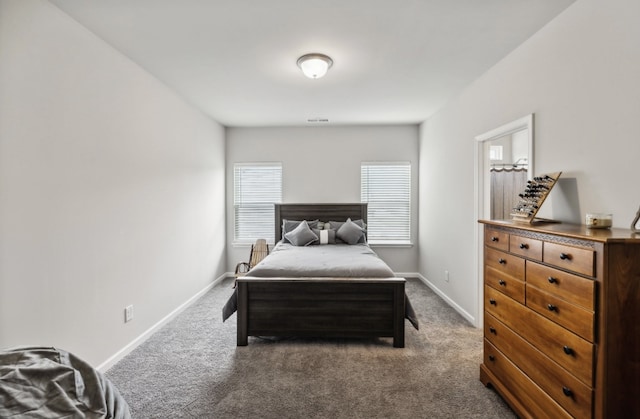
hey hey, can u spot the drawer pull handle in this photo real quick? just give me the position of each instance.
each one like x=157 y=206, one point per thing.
x=493 y=330
x=494 y=239
x=502 y=282
x=524 y=246
x=492 y=302
x=567 y=391
x=492 y=358
x=565 y=256
x=551 y=307
x=502 y=261
x=552 y=280
x=567 y=350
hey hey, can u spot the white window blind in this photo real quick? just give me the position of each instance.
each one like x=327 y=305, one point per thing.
x=386 y=188
x=257 y=186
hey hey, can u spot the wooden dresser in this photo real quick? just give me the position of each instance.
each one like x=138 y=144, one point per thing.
x=562 y=319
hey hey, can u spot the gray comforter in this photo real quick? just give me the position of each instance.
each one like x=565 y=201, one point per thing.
x=39 y=382
x=325 y=261
x=333 y=261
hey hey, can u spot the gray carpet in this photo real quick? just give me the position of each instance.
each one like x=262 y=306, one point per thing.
x=191 y=368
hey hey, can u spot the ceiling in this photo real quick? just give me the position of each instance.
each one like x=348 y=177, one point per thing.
x=395 y=61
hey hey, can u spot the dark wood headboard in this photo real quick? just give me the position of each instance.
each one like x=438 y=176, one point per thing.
x=322 y=212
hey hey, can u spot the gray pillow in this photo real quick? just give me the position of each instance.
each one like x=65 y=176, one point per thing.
x=331 y=236
x=289 y=225
x=337 y=224
x=350 y=232
x=301 y=235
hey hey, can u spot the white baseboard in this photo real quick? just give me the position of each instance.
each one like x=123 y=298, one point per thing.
x=144 y=336
x=471 y=319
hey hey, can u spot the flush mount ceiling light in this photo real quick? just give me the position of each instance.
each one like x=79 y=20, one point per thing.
x=314 y=65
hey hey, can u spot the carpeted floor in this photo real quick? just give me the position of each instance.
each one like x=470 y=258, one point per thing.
x=191 y=368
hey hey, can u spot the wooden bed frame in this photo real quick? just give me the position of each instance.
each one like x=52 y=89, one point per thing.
x=320 y=307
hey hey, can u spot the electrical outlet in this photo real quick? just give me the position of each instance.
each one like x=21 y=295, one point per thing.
x=128 y=313
x=446 y=276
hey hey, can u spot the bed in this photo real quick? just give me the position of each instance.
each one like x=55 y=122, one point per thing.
x=320 y=291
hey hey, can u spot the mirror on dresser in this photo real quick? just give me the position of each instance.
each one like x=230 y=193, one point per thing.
x=504 y=163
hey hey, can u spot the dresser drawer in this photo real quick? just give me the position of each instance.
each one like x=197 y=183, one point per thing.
x=572 y=352
x=571 y=258
x=538 y=403
x=574 y=318
x=504 y=262
x=524 y=246
x=496 y=238
x=569 y=287
x=506 y=284
x=563 y=387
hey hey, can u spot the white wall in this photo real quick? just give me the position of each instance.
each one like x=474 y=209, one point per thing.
x=580 y=76
x=322 y=165
x=111 y=189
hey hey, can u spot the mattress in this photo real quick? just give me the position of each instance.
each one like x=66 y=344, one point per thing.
x=332 y=261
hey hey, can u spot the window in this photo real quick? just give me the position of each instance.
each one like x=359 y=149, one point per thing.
x=257 y=186
x=495 y=152
x=386 y=188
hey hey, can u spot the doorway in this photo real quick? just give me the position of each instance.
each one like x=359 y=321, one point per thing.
x=504 y=163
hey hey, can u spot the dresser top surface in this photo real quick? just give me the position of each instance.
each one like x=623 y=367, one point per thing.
x=605 y=235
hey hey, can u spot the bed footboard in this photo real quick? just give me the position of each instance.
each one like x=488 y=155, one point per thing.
x=321 y=307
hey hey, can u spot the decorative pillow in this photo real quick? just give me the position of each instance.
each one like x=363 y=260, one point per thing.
x=334 y=224
x=301 y=235
x=290 y=225
x=350 y=232
x=337 y=224
x=325 y=236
